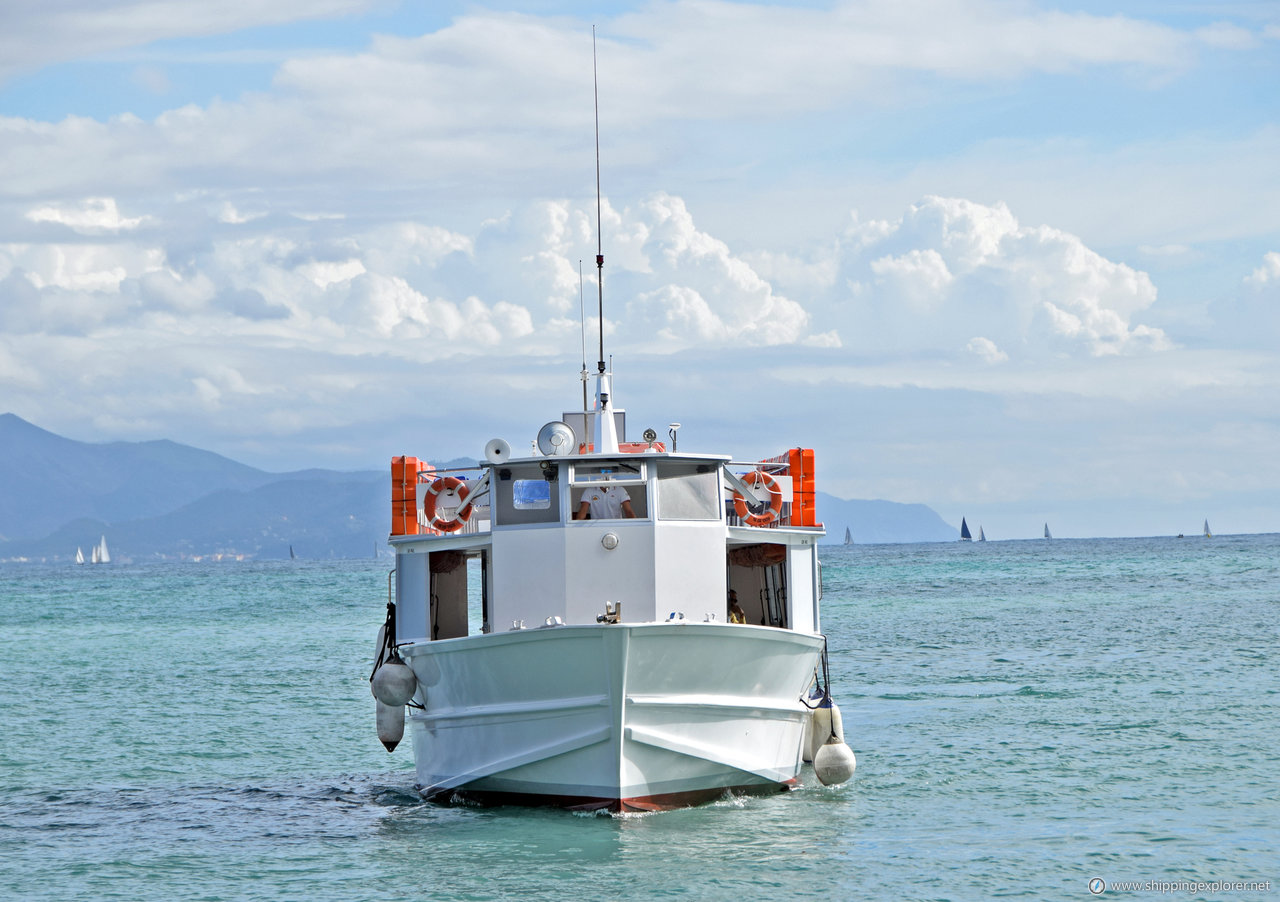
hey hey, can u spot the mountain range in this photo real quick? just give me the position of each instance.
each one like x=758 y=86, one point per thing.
x=161 y=500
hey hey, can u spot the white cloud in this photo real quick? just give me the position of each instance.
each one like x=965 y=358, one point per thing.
x=950 y=267
x=93 y=216
x=36 y=34
x=325 y=272
x=504 y=93
x=919 y=276
x=1269 y=271
x=80 y=267
x=986 y=349
x=230 y=215
x=714 y=292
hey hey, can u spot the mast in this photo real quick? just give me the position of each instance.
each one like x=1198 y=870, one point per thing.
x=606 y=430
x=595 y=86
x=582 y=317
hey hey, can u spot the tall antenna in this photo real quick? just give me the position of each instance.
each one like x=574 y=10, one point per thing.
x=582 y=316
x=595 y=78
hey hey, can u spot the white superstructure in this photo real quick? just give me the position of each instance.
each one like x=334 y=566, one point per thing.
x=591 y=663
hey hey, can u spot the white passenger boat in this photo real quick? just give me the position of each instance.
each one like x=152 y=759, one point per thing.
x=607 y=624
x=593 y=663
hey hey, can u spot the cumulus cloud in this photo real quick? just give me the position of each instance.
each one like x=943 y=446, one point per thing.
x=950 y=267
x=712 y=295
x=274 y=322
x=274 y=288
x=1269 y=271
x=919 y=277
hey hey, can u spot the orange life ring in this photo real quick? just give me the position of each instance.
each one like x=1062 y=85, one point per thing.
x=769 y=514
x=461 y=515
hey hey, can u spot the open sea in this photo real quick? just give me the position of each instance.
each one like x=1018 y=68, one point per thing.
x=1027 y=716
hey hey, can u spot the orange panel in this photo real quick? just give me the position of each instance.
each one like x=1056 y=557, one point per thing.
x=404 y=495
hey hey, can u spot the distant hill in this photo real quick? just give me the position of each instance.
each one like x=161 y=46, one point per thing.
x=161 y=500
x=47 y=481
x=881 y=522
x=328 y=516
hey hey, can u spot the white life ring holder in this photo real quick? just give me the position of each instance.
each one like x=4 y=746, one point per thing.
x=460 y=516
x=769 y=514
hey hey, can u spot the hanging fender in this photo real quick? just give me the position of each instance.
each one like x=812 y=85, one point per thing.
x=447 y=484
x=755 y=479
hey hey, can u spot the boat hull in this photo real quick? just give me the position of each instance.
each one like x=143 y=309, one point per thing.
x=618 y=717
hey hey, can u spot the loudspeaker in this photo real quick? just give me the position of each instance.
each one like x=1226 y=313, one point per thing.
x=497 y=451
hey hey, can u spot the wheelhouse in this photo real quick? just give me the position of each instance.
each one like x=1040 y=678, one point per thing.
x=497 y=547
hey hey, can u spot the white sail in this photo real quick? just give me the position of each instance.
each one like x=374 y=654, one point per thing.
x=1207 y=533
x=101 y=555
x=982 y=536
x=848 y=536
x=79 y=556
x=1046 y=532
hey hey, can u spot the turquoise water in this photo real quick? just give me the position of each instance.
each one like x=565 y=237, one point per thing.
x=1026 y=715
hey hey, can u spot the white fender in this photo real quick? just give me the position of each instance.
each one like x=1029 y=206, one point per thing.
x=834 y=762
x=394 y=684
x=390 y=725
x=378 y=656
x=837 y=723
x=820 y=727
x=389 y=694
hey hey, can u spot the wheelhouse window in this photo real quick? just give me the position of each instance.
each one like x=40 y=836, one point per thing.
x=531 y=494
x=689 y=493
x=525 y=495
x=598 y=490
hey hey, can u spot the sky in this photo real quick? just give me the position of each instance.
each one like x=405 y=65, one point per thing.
x=1019 y=261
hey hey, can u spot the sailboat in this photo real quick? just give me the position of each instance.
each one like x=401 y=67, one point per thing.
x=79 y=556
x=1047 y=535
x=848 y=536
x=1207 y=533
x=292 y=556
x=965 y=535
x=99 y=554
x=982 y=536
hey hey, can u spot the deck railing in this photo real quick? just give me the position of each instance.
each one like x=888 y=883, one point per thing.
x=798 y=506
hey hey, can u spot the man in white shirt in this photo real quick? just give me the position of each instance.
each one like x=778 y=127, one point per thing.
x=604 y=502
